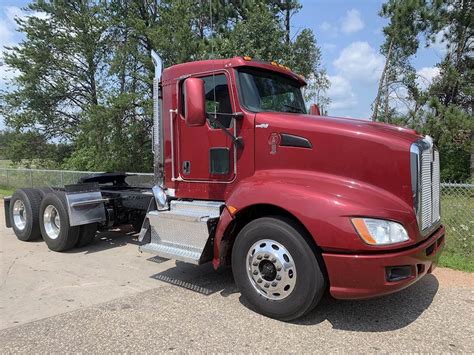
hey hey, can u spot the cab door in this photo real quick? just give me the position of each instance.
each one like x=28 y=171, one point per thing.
x=206 y=153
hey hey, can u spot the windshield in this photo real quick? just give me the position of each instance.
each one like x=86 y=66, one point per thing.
x=263 y=90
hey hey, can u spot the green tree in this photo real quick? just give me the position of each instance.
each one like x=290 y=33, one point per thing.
x=253 y=36
x=60 y=64
x=401 y=42
x=31 y=149
x=444 y=109
x=86 y=74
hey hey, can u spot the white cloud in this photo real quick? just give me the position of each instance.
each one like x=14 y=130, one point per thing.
x=325 y=26
x=352 y=22
x=10 y=37
x=330 y=47
x=426 y=75
x=359 y=61
x=12 y=12
x=341 y=94
x=440 y=44
x=7 y=34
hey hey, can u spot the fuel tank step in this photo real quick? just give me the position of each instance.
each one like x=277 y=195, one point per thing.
x=184 y=232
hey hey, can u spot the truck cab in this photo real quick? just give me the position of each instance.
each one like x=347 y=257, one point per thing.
x=296 y=203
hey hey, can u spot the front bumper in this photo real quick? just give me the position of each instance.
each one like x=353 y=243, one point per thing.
x=358 y=276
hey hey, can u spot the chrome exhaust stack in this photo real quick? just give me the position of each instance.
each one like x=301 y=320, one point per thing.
x=157 y=136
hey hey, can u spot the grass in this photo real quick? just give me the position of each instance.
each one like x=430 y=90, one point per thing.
x=27 y=164
x=457 y=208
x=6 y=191
x=455 y=261
x=5 y=163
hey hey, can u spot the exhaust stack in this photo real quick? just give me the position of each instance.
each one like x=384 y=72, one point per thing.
x=157 y=138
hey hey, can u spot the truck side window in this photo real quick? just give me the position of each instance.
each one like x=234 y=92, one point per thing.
x=218 y=99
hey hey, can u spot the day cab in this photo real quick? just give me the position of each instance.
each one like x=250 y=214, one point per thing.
x=296 y=203
x=308 y=202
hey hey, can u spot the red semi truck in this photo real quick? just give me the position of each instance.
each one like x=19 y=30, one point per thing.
x=296 y=203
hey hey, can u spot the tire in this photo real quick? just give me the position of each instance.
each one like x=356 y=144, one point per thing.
x=137 y=224
x=44 y=191
x=86 y=234
x=62 y=237
x=277 y=286
x=24 y=214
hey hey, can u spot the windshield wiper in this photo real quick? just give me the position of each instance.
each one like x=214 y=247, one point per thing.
x=294 y=108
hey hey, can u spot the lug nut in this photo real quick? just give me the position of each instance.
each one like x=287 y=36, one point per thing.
x=274 y=284
x=267 y=285
x=255 y=263
x=266 y=256
x=255 y=272
x=278 y=277
x=259 y=281
x=259 y=257
x=278 y=268
x=274 y=260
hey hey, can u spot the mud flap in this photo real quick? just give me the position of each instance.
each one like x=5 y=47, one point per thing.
x=6 y=206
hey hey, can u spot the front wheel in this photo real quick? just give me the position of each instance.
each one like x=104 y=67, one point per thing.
x=275 y=268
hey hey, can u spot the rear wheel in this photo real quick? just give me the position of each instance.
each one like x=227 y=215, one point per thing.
x=54 y=223
x=24 y=214
x=137 y=224
x=275 y=268
x=43 y=191
x=86 y=234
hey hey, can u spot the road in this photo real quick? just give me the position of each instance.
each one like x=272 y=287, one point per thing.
x=110 y=298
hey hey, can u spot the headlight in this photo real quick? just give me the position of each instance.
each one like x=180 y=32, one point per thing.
x=379 y=231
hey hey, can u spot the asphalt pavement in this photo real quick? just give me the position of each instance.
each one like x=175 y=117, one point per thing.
x=108 y=297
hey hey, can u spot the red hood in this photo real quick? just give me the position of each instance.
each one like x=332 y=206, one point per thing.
x=374 y=153
x=342 y=125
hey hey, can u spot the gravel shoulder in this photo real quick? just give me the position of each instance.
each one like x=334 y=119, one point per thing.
x=110 y=298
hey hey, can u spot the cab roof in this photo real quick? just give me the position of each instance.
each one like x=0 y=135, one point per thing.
x=185 y=69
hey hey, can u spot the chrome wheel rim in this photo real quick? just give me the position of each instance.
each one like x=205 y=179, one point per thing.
x=51 y=222
x=19 y=215
x=271 y=269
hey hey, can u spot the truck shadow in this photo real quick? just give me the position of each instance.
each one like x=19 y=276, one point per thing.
x=381 y=314
x=201 y=279
x=109 y=240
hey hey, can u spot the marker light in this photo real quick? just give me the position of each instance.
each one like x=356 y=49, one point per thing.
x=379 y=231
x=247 y=58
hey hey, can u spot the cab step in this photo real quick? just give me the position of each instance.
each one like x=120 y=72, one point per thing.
x=184 y=232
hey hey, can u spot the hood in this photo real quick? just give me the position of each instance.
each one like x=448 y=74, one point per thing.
x=344 y=126
x=357 y=150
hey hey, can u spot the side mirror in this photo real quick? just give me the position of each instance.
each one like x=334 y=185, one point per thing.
x=314 y=110
x=195 y=104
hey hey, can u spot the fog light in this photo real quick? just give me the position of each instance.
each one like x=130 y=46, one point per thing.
x=398 y=273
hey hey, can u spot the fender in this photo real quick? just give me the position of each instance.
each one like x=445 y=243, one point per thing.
x=323 y=203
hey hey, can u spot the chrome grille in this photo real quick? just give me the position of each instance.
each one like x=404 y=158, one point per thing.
x=425 y=183
x=426 y=190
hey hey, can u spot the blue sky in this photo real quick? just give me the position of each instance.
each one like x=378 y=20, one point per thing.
x=349 y=33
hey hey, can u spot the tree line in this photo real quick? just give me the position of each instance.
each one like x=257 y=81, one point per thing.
x=85 y=73
x=443 y=108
